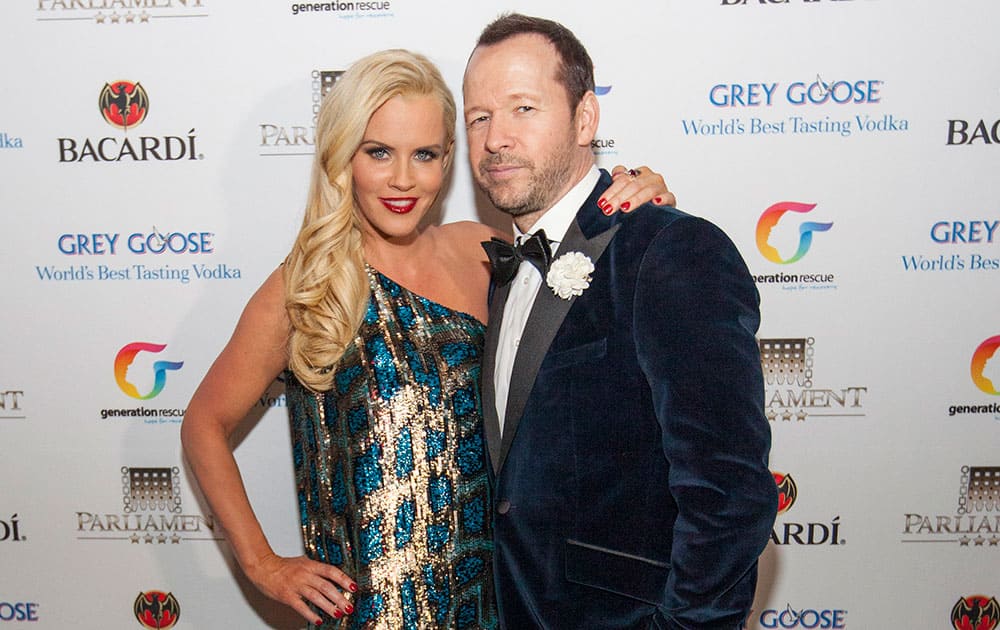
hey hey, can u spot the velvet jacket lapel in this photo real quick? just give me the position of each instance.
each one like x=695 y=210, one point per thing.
x=491 y=421
x=589 y=233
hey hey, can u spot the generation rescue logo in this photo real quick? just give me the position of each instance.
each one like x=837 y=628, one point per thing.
x=789 y=391
x=984 y=368
x=155 y=367
x=136 y=256
x=12 y=404
x=958 y=246
x=975 y=521
x=151 y=512
x=124 y=106
x=840 y=107
x=346 y=10
x=976 y=612
x=784 y=238
x=795 y=532
x=282 y=139
x=119 y=12
x=156 y=610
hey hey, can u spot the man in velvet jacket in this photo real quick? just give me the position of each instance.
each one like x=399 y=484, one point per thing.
x=623 y=415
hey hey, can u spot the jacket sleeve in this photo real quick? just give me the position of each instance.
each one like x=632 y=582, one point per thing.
x=696 y=316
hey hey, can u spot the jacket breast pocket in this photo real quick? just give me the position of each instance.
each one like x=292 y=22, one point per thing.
x=625 y=574
x=584 y=352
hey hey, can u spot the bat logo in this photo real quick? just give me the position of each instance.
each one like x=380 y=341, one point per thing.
x=157 y=610
x=787 y=491
x=976 y=612
x=123 y=104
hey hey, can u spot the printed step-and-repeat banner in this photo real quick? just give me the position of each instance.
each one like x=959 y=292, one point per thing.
x=849 y=147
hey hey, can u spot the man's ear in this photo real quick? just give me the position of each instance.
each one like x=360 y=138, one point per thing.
x=586 y=119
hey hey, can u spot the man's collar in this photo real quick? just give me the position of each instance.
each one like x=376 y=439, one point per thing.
x=557 y=219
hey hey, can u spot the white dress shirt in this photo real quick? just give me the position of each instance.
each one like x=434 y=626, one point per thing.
x=524 y=287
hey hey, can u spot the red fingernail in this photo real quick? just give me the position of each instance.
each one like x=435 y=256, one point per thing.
x=606 y=210
x=318 y=622
x=657 y=200
x=353 y=587
x=338 y=614
x=349 y=609
x=626 y=206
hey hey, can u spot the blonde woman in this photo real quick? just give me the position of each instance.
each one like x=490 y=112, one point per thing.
x=377 y=320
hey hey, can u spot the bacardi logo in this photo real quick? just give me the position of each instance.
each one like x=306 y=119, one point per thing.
x=794 y=532
x=123 y=104
x=787 y=491
x=156 y=610
x=976 y=612
x=10 y=530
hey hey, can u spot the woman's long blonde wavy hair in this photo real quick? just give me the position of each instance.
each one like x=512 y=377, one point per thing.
x=326 y=287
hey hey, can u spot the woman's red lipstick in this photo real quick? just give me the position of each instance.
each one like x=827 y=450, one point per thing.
x=399 y=205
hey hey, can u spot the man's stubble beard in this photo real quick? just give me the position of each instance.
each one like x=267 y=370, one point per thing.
x=544 y=183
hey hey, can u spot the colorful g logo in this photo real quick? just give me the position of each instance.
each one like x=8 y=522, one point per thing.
x=980 y=358
x=770 y=219
x=124 y=359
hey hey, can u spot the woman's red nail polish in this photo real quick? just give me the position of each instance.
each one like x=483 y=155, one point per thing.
x=606 y=210
x=353 y=587
x=349 y=609
x=318 y=622
x=657 y=200
x=338 y=614
x=626 y=205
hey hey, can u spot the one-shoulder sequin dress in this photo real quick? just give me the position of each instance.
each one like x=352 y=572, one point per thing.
x=390 y=467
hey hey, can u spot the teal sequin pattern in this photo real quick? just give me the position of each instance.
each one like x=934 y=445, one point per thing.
x=390 y=467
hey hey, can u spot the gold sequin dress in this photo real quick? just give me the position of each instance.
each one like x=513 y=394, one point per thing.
x=390 y=467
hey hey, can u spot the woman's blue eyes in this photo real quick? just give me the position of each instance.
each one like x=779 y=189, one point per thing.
x=421 y=155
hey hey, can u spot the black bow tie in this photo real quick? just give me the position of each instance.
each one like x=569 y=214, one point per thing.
x=505 y=257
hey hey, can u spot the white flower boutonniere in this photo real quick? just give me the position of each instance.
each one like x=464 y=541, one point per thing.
x=569 y=274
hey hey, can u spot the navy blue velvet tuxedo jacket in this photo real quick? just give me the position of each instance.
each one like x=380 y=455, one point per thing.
x=631 y=479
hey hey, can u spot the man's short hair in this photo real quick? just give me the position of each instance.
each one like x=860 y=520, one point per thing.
x=576 y=70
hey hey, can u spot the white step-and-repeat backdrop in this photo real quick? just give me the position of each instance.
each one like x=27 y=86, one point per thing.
x=849 y=147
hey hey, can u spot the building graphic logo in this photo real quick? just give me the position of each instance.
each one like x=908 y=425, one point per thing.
x=976 y=519
x=124 y=359
x=788 y=384
x=151 y=512
x=123 y=104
